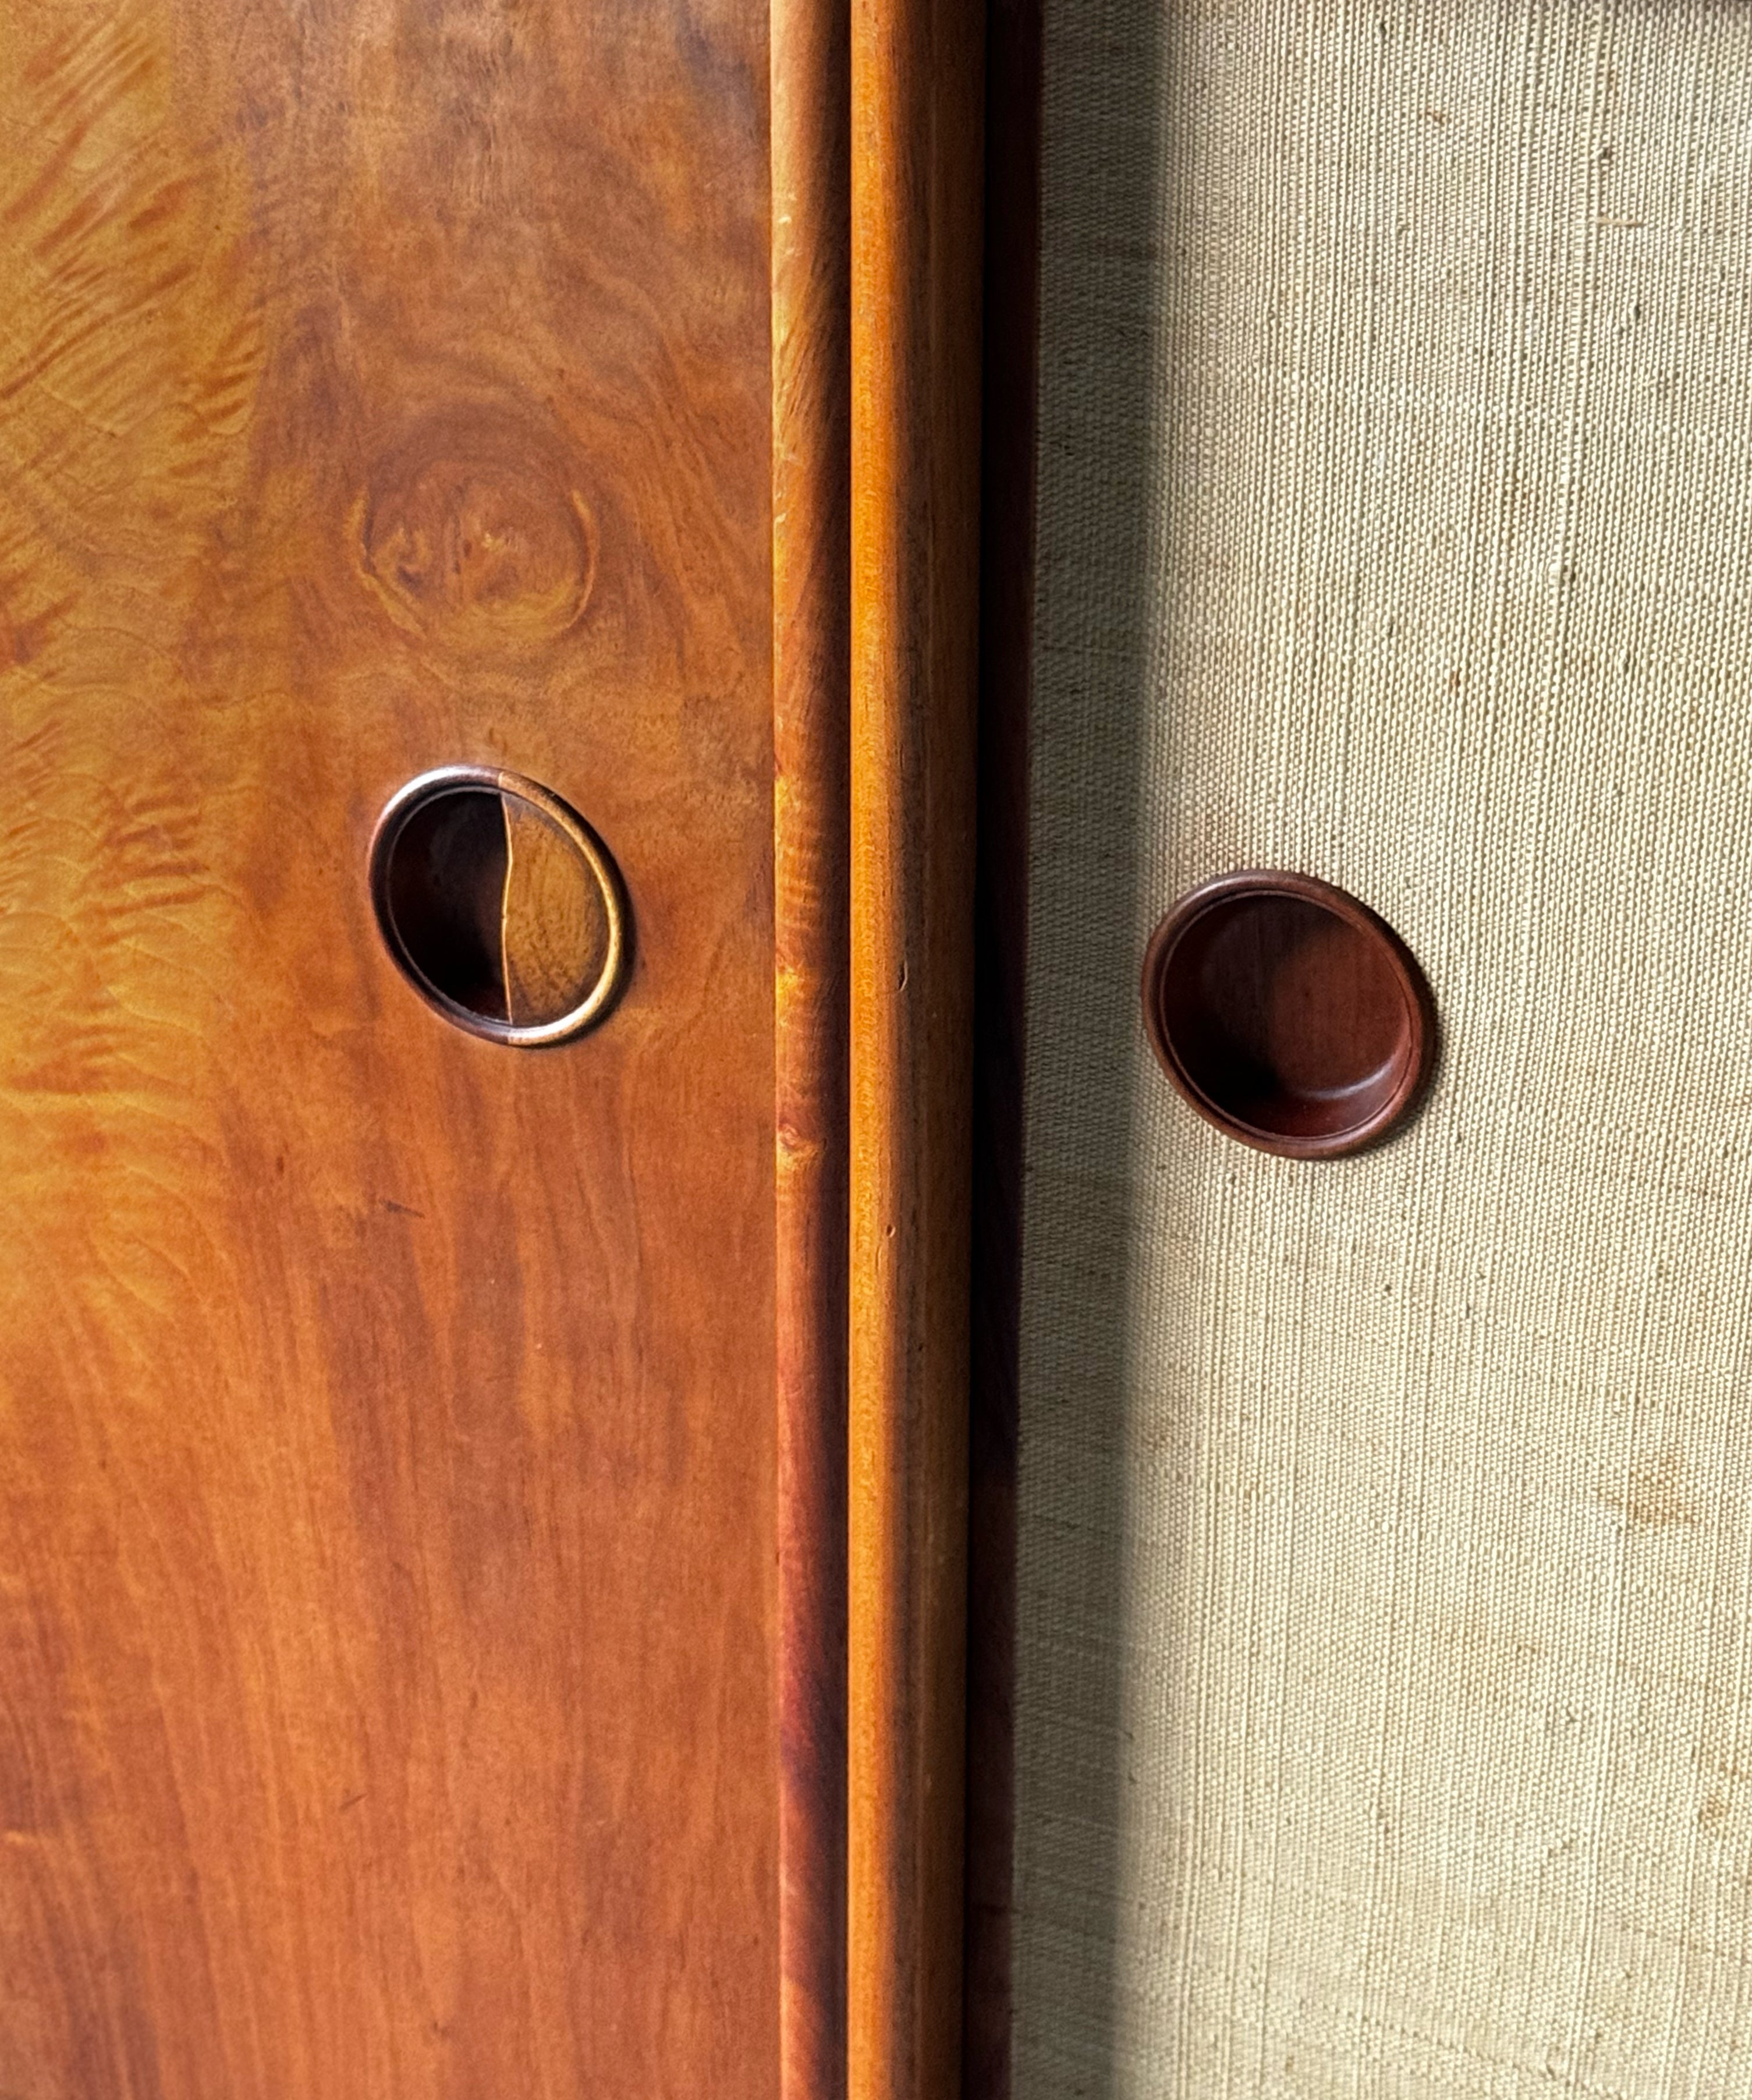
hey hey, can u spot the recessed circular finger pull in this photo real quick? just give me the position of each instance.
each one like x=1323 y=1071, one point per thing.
x=502 y=907
x=1288 y=1014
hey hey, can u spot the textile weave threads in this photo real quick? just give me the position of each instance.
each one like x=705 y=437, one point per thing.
x=1385 y=1625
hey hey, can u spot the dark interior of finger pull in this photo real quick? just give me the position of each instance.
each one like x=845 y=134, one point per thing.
x=492 y=908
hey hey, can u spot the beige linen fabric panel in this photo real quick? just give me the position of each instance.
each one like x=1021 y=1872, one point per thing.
x=1385 y=1678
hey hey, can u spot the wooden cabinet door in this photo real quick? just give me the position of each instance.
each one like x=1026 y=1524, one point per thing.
x=387 y=1502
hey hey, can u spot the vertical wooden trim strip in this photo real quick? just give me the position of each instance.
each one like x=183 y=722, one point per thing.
x=917 y=105
x=811 y=105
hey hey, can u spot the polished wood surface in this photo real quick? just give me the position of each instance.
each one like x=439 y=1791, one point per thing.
x=917 y=153
x=387 y=1618
x=811 y=114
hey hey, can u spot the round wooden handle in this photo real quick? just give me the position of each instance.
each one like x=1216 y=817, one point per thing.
x=1288 y=1014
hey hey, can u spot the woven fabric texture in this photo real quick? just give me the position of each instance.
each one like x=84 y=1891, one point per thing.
x=1385 y=1622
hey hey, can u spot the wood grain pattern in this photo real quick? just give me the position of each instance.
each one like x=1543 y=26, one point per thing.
x=811 y=113
x=387 y=1612
x=917 y=148
x=553 y=919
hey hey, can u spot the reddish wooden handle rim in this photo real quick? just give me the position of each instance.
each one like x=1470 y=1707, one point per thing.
x=1414 y=988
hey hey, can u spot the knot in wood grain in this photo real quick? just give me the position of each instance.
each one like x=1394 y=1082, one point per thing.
x=471 y=530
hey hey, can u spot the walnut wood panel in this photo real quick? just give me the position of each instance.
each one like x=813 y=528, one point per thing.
x=811 y=113
x=917 y=149
x=387 y=1461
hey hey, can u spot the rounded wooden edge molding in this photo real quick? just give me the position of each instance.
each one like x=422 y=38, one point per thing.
x=442 y=781
x=1240 y=981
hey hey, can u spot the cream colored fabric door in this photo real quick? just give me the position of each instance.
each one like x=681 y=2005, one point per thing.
x=1385 y=1700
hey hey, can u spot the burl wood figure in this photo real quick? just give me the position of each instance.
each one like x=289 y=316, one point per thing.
x=387 y=1460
